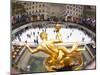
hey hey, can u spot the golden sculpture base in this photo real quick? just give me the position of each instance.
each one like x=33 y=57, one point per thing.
x=71 y=61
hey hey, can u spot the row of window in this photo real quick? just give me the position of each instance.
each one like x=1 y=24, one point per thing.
x=31 y=4
x=68 y=12
x=38 y=6
x=30 y=12
x=76 y=10
x=38 y=11
x=73 y=13
x=72 y=7
x=32 y=8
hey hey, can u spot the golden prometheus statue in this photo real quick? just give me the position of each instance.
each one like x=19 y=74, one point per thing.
x=59 y=56
x=58 y=34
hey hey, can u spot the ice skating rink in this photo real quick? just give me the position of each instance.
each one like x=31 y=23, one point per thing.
x=68 y=35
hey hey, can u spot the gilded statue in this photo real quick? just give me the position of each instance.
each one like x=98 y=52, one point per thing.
x=59 y=56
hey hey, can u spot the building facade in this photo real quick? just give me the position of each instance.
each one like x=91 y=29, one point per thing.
x=45 y=11
x=73 y=11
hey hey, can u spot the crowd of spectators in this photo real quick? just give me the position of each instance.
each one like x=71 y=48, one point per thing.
x=89 y=22
x=21 y=19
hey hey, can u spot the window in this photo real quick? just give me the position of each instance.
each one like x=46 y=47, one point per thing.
x=76 y=14
x=76 y=6
x=30 y=4
x=71 y=8
x=33 y=7
x=67 y=7
x=70 y=12
x=73 y=5
x=74 y=9
x=80 y=7
x=39 y=6
x=43 y=10
x=43 y=5
x=25 y=3
x=73 y=13
x=39 y=10
x=80 y=15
